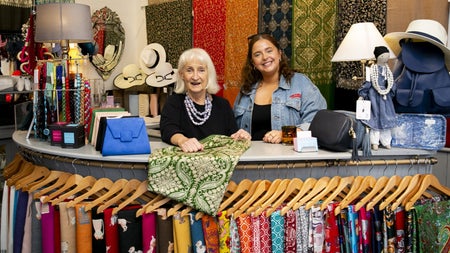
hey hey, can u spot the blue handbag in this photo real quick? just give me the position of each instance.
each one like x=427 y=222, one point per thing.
x=125 y=136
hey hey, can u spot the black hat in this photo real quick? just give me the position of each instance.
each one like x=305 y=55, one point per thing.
x=380 y=50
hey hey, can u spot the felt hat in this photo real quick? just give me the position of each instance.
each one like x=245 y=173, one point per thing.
x=152 y=55
x=131 y=76
x=426 y=30
x=164 y=75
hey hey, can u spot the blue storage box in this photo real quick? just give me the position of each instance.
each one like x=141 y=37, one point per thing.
x=419 y=131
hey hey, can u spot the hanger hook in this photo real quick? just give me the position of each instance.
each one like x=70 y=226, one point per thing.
x=73 y=166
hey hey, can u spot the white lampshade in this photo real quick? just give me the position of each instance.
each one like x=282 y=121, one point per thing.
x=359 y=43
x=63 y=21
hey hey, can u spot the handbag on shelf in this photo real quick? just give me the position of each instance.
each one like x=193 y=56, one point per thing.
x=125 y=136
x=340 y=131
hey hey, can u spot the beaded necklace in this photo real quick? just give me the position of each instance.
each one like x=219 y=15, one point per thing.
x=386 y=72
x=198 y=118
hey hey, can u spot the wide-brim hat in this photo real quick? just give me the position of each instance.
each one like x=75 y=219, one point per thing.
x=426 y=30
x=151 y=56
x=164 y=75
x=131 y=75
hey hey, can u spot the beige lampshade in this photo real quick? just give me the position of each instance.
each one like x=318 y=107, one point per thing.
x=359 y=43
x=63 y=21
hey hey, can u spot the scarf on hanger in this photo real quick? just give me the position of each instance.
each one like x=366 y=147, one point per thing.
x=199 y=179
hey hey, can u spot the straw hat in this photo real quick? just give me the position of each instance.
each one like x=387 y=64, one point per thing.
x=152 y=55
x=426 y=30
x=164 y=75
x=131 y=76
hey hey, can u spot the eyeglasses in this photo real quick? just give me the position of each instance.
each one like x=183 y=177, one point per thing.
x=133 y=78
x=168 y=76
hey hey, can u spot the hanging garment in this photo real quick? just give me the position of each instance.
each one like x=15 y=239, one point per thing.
x=196 y=232
x=317 y=228
x=211 y=233
x=68 y=228
x=98 y=233
x=224 y=232
x=290 y=239
x=27 y=237
x=149 y=232
x=111 y=230
x=235 y=242
x=19 y=223
x=83 y=228
x=244 y=225
x=302 y=229
x=49 y=232
x=277 y=232
x=265 y=240
x=182 y=233
x=164 y=232
x=433 y=226
x=130 y=229
x=331 y=229
x=365 y=234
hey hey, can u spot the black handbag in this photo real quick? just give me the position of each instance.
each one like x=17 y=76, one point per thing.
x=340 y=131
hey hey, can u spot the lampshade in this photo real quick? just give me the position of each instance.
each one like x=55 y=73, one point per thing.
x=63 y=21
x=359 y=43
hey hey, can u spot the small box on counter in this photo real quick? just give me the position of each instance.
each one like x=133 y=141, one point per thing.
x=304 y=142
x=73 y=136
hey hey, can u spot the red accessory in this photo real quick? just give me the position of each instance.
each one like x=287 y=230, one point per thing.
x=296 y=95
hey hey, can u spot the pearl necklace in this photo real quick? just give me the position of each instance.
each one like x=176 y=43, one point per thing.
x=198 y=118
x=386 y=72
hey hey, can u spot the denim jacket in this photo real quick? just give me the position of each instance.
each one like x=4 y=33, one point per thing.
x=293 y=103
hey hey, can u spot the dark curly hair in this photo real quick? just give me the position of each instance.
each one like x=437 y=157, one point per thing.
x=251 y=75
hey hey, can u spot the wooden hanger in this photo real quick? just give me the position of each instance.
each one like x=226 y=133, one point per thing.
x=411 y=188
x=131 y=185
x=101 y=184
x=318 y=187
x=61 y=179
x=404 y=183
x=13 y=167
x=140 y=191
x=270 y=203
x=379 y=185
x=25 y=169
x=38 y=173
x=244 y=198
x=68 y=184
x=341 y=191
x=53 y=176
x=329 y=188
x=357 y=182
x=241 y=189
x=263 y=187
x=83 y=185
x=429 y=182
x=157 y=205
x=173 y=210
x=307 y=186
x=141 y=210
x=367 y=184
x=268 y=193
x=294 y=186
x=116 y=187
x=389 y=187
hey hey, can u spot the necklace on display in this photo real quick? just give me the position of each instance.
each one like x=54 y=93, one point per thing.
x=198 y=118
x=374 y=78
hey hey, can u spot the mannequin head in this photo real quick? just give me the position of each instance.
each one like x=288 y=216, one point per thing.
x=381 y=54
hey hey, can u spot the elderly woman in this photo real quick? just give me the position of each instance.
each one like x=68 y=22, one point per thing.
x=194 y=111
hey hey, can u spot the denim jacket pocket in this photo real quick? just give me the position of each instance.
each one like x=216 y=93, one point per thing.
x=294 y=103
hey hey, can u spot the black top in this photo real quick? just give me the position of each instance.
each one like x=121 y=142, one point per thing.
x=261 y=123
x=175 y=119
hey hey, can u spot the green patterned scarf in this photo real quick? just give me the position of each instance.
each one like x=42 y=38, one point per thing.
x=198 y=180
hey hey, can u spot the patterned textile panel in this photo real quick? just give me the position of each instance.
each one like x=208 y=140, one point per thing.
x=350 y=12
x=209 y=32
x=276 y=19
x=170 y=24
x=313 y=38
x=242 y=20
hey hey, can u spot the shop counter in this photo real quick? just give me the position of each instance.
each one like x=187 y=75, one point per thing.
x=261 y=160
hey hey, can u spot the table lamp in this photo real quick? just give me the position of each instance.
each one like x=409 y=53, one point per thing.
x=358 y=45
x=63 y=23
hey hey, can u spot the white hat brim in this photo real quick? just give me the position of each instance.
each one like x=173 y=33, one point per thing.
x=121 y=83
x=161 y=53
x=393 y=40
x=151 y=80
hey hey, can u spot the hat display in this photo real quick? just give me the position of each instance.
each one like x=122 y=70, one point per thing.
x=151 y=56
x=131 y=76
x=164 y=75
x=424 y=30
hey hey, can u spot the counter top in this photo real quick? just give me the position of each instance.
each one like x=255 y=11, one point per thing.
x=259 y=151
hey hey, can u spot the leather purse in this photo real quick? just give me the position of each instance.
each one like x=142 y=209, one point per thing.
x=125 y=136
x=340 y=131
